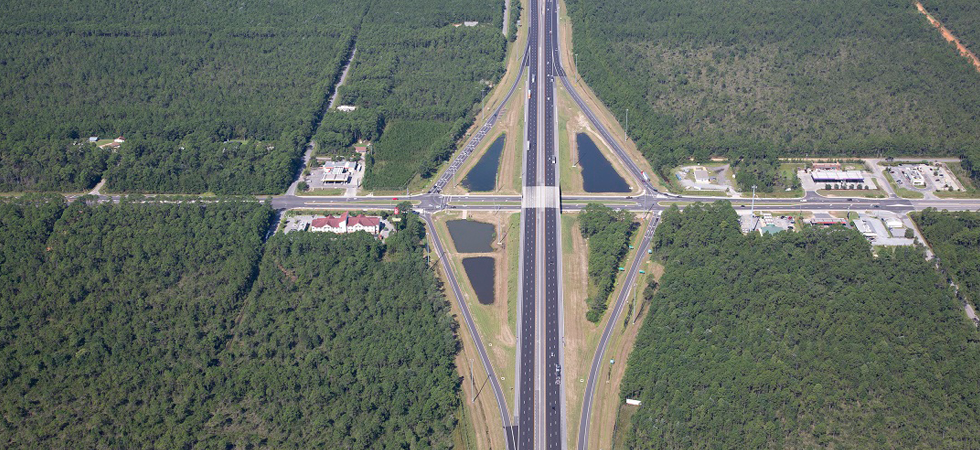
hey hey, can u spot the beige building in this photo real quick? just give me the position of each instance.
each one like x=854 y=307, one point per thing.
x=346 y=224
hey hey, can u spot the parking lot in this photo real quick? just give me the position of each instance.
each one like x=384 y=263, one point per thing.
x=346 y=175
x=704 y=178
x=925 y=178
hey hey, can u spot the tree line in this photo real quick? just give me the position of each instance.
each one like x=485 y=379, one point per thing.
x=797 y=340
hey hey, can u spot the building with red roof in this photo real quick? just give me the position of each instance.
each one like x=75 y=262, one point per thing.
x=346 y=224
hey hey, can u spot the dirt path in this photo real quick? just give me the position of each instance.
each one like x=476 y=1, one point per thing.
x=949 y=36
x=343 y=77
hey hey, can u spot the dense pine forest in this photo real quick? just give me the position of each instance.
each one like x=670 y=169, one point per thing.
x=344 y=343
x=756 y=79
x=176 y=79
x=113 y=339
x=955 y=238
x=798 y=340
x=222 y=96
x=157 y=326
x=608 y=233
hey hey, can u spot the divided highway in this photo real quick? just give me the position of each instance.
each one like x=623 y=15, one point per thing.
x=525 y=368
x=540 y=399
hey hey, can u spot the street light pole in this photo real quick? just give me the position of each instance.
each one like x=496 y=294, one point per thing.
x=626 y=130
x=752 y=212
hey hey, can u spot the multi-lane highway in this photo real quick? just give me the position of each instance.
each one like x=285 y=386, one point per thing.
x=540 y=412
x=528 y=295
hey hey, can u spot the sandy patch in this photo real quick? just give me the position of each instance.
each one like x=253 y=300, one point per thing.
x=965 y=52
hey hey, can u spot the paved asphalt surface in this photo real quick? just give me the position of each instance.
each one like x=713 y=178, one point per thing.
x=554 y=436
x=527 y=305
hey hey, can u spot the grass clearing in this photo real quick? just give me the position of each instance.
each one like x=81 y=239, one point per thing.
x=848 y=193
x=322 y=192
x=492 y=321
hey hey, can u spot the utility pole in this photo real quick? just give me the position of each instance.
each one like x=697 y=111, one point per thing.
x=626 y=130
x=752 y=212
x=483 y=102
x=472 y=381
x=576 y=67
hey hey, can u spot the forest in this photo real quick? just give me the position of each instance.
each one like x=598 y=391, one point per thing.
x=798 y=340
x=148 y=325
x=749 y=78
x=608 y=233
x=176 y=79
x=955 y=237
x=222 y=96
x=331 y=354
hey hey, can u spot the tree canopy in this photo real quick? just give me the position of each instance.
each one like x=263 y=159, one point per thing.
x=608 y=234
x=798 y=340
x=222 y=96
x=149 y=325
x=750 y=78
x=955 y=237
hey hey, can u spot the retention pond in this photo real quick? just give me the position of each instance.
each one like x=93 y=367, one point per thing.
x=480 y=271
x=470 y=236
x=483 y=175
x=598 y=175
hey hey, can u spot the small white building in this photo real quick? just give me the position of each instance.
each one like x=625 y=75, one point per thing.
x=338 y=171
x=894 y=223
x=837 y=176
x=864 y=228
x=346 y=108
x=701 y=175
x=915 y=176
